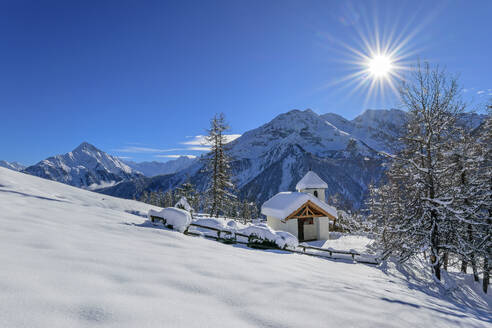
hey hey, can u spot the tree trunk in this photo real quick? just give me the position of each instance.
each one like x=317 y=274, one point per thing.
x=464 y=266
x=473 y=263
x=435 y=267
x=445 y=261
x=435 y=260
x=486 y=259
x=486 y=274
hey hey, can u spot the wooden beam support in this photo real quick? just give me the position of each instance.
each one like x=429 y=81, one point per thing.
x=309 y=210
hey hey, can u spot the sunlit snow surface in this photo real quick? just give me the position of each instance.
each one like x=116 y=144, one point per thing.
x=72 y=258
x=345 y=242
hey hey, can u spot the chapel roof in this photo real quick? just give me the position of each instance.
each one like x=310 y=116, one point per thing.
x=311 y=181
x=284 y=204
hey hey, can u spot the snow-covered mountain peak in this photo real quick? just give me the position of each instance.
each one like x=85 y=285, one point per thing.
x=304 y=128
x=295 y=120
x=84 y=166
x=12 y=165
x=86 y=148
x=375 y=117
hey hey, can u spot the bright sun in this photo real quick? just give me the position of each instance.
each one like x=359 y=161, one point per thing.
x=380 y=66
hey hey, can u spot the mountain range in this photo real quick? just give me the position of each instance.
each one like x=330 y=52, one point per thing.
x=276 y=155
x=150 y=169
x=85 y=167
x=266 y=160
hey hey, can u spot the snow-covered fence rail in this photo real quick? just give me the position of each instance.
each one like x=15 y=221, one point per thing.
x=231 y=237
x=222 y=235
x=330 y=251
x=252 y=241
x=362 y=258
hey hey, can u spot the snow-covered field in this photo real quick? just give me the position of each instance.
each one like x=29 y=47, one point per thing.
x=345 y=242
x=73 y=258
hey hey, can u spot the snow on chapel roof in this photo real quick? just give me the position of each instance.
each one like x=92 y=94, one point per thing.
x=283 y=204
x=311 y=180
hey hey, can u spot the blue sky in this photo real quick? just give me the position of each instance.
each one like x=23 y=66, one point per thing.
x=141 y=78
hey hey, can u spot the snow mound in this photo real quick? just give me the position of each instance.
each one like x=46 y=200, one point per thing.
x=351 y=242
x=217 y=223
x=311 y=181
x=283 y=204
x=179 y=219
x=264 y=232
x=286 y=239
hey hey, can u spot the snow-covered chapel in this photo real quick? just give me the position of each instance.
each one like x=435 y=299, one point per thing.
x=304 y=213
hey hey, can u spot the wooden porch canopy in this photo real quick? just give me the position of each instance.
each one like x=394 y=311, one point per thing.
x=309 y=210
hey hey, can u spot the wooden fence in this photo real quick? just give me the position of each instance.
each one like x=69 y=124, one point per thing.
x=231 y=238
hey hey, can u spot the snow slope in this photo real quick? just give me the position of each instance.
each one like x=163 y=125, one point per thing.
x=73 y=258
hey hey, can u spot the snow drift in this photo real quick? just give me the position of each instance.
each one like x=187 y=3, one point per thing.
x=177 y=218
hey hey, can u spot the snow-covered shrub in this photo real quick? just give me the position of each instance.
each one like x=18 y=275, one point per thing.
x=286 y=239
x=258 y=242
x=172 y=217
x=227 y=237
x=262 y=234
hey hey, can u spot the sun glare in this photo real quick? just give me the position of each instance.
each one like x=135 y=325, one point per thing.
x=380 y=66
x=377 y=57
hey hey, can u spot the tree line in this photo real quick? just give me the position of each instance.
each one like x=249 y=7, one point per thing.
x=436 y=198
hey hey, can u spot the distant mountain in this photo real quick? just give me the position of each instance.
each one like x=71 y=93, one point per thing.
x=85 y=166
x=472 y=120
x=379 y=129
x=154 y=168
x=12 y=165
x=275 y=156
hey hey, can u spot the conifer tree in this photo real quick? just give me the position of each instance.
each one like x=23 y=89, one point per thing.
x=154 y=198
x=145 y=197
x=220 y=186
x=187 y=190
x=168 y=200
x=246 y=211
